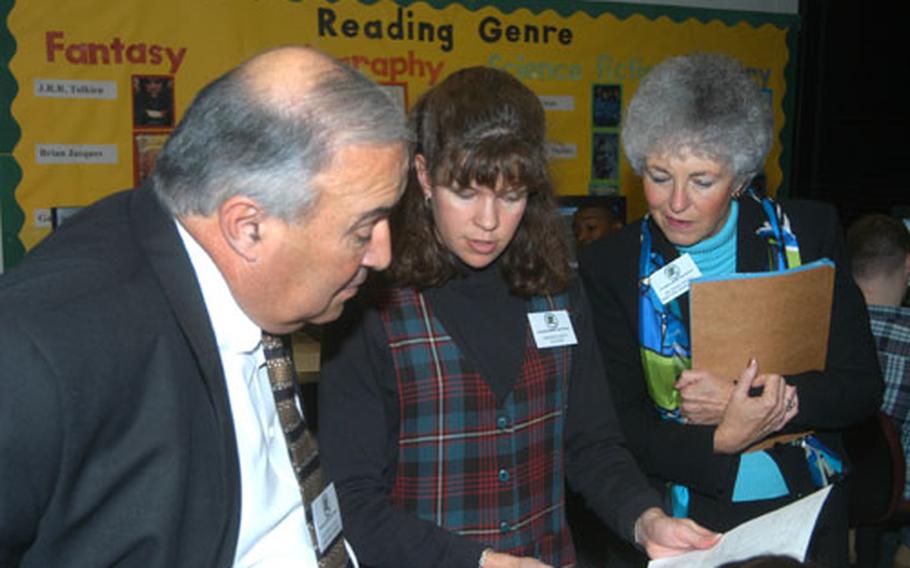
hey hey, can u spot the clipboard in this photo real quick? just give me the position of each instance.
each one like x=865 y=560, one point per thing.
x=780 y=318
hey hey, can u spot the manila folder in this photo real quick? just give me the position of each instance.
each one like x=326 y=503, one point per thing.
x=780 y=318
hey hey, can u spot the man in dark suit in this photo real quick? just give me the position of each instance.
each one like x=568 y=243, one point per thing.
x=137 y=426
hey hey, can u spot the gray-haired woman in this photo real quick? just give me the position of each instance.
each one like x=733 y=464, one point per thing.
x=698 y=130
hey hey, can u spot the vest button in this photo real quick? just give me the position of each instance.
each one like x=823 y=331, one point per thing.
x=504 y=527
x=503 y=475
x=502 y=422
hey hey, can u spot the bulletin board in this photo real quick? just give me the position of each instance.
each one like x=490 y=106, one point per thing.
x=90 y=89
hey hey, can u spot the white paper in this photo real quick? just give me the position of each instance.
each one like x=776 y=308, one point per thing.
x=557 y=102
x=76 y=154
x=70 y=89
x=561 y=150
x=785 y=531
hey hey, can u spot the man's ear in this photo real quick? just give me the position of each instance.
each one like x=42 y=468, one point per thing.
x=420 y=166
x=242 y=221
x=907 y=265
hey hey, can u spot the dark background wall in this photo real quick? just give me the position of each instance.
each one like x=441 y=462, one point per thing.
x=853 y=110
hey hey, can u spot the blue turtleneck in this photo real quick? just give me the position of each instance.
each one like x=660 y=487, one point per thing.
x=716 y=255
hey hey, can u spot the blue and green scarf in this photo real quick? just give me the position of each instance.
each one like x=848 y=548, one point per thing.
x=662 y=333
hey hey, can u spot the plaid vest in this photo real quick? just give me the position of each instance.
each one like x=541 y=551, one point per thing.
x=493 y=473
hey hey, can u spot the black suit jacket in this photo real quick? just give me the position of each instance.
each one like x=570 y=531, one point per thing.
x=116 y=440
x=849 y=389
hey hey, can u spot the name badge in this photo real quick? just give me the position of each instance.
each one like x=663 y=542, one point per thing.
x=326 y=518
x=552 y=329
x=672 y=281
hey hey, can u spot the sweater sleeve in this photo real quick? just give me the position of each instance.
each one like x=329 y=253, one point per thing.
x=598 y=464
x=358 y=427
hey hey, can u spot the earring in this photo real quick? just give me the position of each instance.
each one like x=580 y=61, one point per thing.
x=427 y=199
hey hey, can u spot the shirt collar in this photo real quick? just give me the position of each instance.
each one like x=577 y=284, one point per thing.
x=901 y=312
x=235 y=332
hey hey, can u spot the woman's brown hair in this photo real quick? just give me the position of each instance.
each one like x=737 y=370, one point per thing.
x=477 y=127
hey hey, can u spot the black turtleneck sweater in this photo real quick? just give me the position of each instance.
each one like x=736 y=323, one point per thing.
x=494 y=335
x=359 y=421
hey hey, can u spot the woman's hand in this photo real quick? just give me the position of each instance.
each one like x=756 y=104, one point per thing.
x=749 y=419
x=704 y=396
x=661 y=535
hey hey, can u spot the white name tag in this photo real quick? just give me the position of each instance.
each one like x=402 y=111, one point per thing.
x=552 y=329
x=672 y=281
x=326 y=518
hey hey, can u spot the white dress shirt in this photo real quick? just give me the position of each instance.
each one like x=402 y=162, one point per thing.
x=273 y=528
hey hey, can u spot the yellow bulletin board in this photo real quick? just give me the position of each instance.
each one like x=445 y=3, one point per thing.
x=90 y=89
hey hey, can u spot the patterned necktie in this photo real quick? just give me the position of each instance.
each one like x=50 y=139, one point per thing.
x=302 y=447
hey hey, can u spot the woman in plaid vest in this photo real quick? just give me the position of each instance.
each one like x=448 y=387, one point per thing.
x=457 y=403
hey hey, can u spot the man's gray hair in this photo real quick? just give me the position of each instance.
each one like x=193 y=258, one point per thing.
x=705 y=104
x=233 y=141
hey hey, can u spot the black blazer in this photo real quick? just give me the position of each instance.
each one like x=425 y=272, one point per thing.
x=116 y=440
x=849 y=389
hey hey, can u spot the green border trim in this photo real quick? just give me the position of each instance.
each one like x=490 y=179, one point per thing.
x=9 y=130
x=622 y=11
x=787 y=133
x=10 y=172
x=13 y=216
